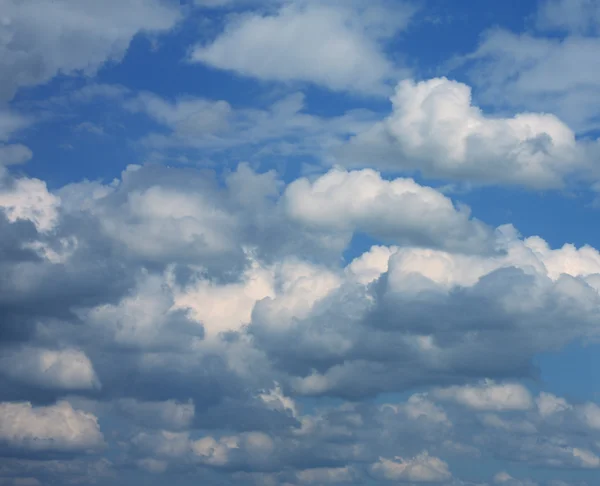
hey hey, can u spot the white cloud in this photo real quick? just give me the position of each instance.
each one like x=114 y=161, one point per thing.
x=586 y=458
x=67 y=369
x=549 y=404
x=29 y=200
x=422 y=468
x=215 y=452
x=145 y=319
x=418 y=407
x=536 y=71
x=434 y=128
x=54 y=428
x=489 y=396
x=227 y=307
x=41 y=39
x=590 y=412
x=398 y=211
x=334 y=44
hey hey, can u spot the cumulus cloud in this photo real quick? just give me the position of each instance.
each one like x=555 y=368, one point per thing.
x=334 y=44
x=216 y=310
x=54 y=428
x=393 y=211
x=435 y=129
x=408 y=309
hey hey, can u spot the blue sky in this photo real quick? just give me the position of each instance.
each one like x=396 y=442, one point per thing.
x=299 y=242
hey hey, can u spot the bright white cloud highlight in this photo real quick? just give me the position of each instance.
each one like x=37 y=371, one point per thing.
x=29 y=200
x=434 y=128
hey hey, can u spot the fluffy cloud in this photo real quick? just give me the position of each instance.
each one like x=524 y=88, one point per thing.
x=405 y=317
x=41 y=39
x=395 y=211
x=188 y=296
x=29 y=200
x=435 y=129
x=55 y=428
x=334 y=44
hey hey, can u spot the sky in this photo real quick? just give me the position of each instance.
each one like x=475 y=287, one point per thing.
x=299 y=242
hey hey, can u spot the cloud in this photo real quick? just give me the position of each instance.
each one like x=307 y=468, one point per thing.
x=41 y=39
x=419 y=469
x=426 y=307
x=67 y=369
x=11 y=122
x=54 y=428
x=573 y=16
x=325 y=475
x=549 y=404
x=170 y=415
x=551 y=69
x=14 y=154
x=29 y=200
x=508 y=480
x=395 y=211
x=215 y=310
x=490 y=396
x=283 y=128
x=333 y=44
x=436 y=130
x=91 y=128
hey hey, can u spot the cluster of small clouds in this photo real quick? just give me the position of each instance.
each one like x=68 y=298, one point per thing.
x=199 y=323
